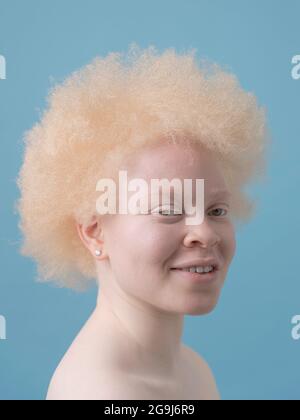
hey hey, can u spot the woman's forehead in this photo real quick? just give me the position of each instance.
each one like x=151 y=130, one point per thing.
x=175 y=162
x=171 y=161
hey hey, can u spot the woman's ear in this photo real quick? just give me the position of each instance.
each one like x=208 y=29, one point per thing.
x=91 y=235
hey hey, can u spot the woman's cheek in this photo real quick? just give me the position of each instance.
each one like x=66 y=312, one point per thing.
x=159 y=242
x=229 y=243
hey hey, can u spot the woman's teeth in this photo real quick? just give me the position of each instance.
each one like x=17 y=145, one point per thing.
x=199 y=270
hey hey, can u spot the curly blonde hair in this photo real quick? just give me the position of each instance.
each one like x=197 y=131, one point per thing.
x=107 y=110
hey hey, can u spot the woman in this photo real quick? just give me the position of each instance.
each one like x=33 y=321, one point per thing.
x=154 y=116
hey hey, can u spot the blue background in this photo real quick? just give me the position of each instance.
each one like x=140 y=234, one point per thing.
x=247 y=340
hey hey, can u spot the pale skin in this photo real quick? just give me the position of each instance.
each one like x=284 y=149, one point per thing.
x=131 y=346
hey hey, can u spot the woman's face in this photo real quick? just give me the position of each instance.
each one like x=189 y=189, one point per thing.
x=141 y=249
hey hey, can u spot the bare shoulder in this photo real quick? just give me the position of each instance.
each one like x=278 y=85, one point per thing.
x=109 y=384
x=209 y=388
x=84 y=377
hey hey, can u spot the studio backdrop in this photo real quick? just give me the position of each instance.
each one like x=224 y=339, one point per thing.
x=251 y=340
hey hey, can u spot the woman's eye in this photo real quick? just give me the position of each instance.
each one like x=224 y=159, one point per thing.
x=168 y=212
x=218 y=212
x=220 y=209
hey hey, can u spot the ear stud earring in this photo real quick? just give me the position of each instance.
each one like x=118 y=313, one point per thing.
x=98 y=253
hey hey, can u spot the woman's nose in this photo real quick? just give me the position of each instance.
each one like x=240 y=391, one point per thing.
x=203 y=234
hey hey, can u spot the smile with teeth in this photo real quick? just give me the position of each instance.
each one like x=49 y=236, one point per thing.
x=199 y=270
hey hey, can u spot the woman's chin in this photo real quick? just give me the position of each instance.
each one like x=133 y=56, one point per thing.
x=202 y=308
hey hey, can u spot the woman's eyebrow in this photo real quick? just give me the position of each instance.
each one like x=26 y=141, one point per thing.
x=215 y=193
x=220 y=193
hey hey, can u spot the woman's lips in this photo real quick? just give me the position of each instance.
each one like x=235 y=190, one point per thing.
x=197 y=277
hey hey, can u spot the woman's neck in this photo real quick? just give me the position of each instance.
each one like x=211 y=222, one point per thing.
x=154 y=336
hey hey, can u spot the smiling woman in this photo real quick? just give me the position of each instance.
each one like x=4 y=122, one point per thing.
x=156 y=116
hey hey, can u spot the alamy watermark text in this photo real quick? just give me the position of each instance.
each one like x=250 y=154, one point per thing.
x=2 y=328
x=296 y=67
x=296 y=328
x=2 y=67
